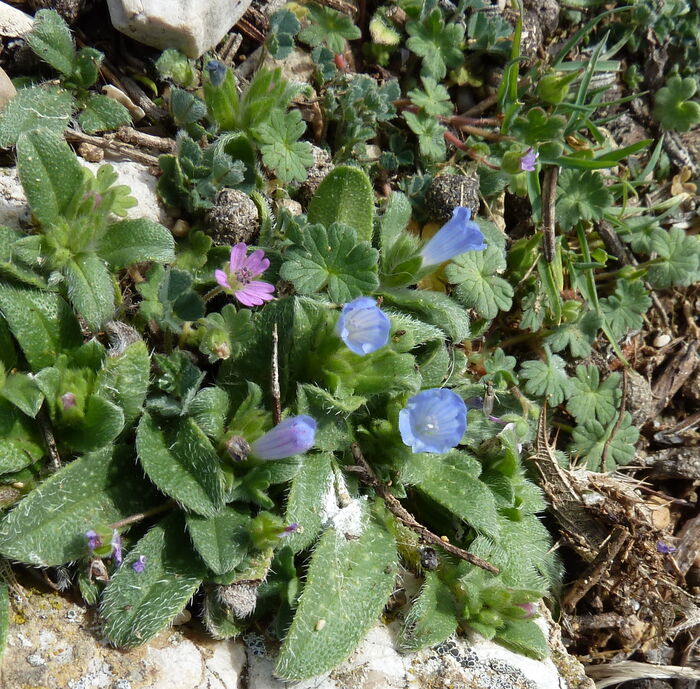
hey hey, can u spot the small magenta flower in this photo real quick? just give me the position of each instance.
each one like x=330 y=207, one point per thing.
x=363 y=326
x=68 y=401
x=93 y=539
x=529 y=160
x=433 y=421
x=139 y=565
x=293 y=436
x=238 y=278
x=116 y=547
x=456 y=236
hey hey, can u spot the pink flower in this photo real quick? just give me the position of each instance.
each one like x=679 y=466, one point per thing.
x=237 y=278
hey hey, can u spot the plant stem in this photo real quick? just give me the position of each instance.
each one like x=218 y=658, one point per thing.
x=168 y=505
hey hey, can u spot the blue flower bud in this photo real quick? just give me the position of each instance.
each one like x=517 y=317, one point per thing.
x=433 y=421
x=217 y=72
x=293 y=436
x=454 y=238
x=363 y=326
x=139 y=565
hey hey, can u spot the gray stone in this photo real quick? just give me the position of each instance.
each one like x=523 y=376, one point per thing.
x=446 y=192
x=191 y=26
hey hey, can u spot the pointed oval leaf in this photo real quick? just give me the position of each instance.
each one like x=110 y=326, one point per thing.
x=134 y=241
x=182 y=463
x=137 y=605
x=42 y=323
x=345 y=195
x=222 y=541
x=48 y=527
x=90 y=289
x=49 y=171
x=347 y=587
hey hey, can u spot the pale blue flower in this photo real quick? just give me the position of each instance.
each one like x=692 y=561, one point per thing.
x=529 y=160
x=293 y=436
x=363 y=326
x=433 y=421
x=456 y=236
x=139 y=564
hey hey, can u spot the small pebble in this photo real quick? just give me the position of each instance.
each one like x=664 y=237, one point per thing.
x=91 y=153
x=661 y=340
x=181 y=228
x=35 y=660
x=183 y=617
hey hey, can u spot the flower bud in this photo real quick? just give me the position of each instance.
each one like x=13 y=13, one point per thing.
x=238 y=448
x=293 y=436
x=554 y=88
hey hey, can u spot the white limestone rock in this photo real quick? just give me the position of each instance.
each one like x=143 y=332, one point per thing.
x=56 y=644
x=471 y=663
x=13 y=203
x=13 y=22
x=191 y=26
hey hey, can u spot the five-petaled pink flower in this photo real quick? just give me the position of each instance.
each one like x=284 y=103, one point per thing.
x=237 y=278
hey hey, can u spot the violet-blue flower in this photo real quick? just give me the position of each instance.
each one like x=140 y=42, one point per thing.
x=139 y=565
x=363 y=326
x=456 y=236
x=529 y=160
x=433 y=421
x=93 y=539
x=116 y=547
x=293 y=436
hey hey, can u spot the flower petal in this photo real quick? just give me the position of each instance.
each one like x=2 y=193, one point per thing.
x=363 y=326
x=433 y=421
x=222 y=279
x=256 y=263
x=455 y=237
x=238 y=253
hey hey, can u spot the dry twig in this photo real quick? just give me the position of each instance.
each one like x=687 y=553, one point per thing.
x=368 y=476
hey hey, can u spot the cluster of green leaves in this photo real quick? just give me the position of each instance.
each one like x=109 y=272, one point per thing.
x=51 y=106
x=242 y=129
x=161 y=433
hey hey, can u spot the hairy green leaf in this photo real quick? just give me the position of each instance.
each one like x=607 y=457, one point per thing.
x=222 y=541
x=182 y=463
x=347 y=586
x=90 y=289
x=305 y=499
x=332 y=259
x=42 y=323
x=137 y=605
x=136 y=241
x=48 y=527
x=590 y=399
x=50 y=173
x=345 y=196
x=432 y=617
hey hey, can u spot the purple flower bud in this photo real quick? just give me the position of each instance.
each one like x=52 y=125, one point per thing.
x=458 y=235
x=529 y=160
x=68 y=401
x=529 y=608
x=116 y=548
x=665 y=548
x=289 y=529
x=433 y=421
x=93 y=539
x=139 y=565
x=363 y=326
x=293 y=436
